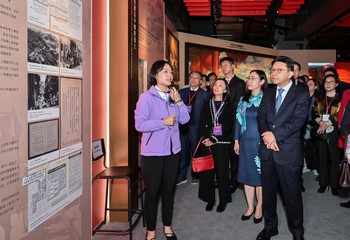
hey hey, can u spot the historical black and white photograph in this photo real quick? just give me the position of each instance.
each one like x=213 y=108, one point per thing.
x=71 y=54
x=42 y=47
x=42 y=91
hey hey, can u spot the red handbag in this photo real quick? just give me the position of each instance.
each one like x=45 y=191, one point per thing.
x=202 y=163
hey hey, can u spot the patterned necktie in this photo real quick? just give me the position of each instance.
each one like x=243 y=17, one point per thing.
x=279 y=99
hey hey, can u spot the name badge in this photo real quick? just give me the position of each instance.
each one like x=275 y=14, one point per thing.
x=189 y=108
x=325 y=117
x=218 y=130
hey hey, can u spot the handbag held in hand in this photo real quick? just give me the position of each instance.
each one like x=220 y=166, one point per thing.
x=202 y=160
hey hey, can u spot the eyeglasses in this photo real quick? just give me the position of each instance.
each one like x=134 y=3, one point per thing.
x=329 y=82
x=251 y=78
x=278 y=70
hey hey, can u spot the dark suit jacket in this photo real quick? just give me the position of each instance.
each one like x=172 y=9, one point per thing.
x=237 y=90
x=201 y=97
x=285 y=125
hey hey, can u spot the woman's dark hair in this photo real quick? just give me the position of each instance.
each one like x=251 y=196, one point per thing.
x=226 y=95
x=262 y=76
x=155 y=69
x=306 y=78
x=301 y=79
x=331 y=69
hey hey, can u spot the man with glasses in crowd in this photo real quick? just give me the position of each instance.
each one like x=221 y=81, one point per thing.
x=281 y=115
x=194 y=97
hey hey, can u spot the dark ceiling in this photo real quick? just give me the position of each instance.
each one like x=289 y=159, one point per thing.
x=318 y=24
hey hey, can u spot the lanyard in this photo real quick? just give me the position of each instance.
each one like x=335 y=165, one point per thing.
x=217 y=112
x=191 y=98
x=328 y=105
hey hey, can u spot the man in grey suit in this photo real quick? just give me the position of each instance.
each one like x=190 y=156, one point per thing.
x=282 y=113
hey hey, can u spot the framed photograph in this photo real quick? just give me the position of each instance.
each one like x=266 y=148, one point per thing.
x=172 y=53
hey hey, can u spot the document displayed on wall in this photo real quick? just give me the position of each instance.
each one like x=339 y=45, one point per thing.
x=54 y=109
x=66 y=16
x=13 y=121
x=61 y=16
x=38 y=12
x=43 y=139
x=71 y=112
x=52 y=186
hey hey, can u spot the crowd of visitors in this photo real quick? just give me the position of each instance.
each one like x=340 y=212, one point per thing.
x=257 y=133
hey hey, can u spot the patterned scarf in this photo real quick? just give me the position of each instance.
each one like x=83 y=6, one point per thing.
x=242 y=107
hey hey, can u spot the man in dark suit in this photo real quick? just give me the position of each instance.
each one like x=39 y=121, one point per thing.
x=282 y=113
x=296 y=72
x=296 y=75
x=237 y=90
x=194 y=97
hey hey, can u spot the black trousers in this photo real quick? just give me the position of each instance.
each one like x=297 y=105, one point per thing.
x=160 y=177
x=274 y=175
x=234 y=167
x=206 y=191
x=329 y=159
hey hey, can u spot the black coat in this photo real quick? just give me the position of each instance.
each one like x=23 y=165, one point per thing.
x=226 y=119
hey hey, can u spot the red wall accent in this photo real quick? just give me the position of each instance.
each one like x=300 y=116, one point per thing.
x=99 y=101
x=343 y=69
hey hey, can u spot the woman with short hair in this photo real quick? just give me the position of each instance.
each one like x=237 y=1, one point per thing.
x=157 y=116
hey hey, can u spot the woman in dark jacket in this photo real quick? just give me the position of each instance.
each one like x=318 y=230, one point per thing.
x=216 y=127
x=325 y=112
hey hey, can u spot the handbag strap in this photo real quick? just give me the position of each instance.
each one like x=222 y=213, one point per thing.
x=199 y=142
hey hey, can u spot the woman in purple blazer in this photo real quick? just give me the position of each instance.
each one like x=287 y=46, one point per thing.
x=157 y=116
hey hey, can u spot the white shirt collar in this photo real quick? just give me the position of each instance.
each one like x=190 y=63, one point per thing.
x=286 y=89
x=162 y=94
